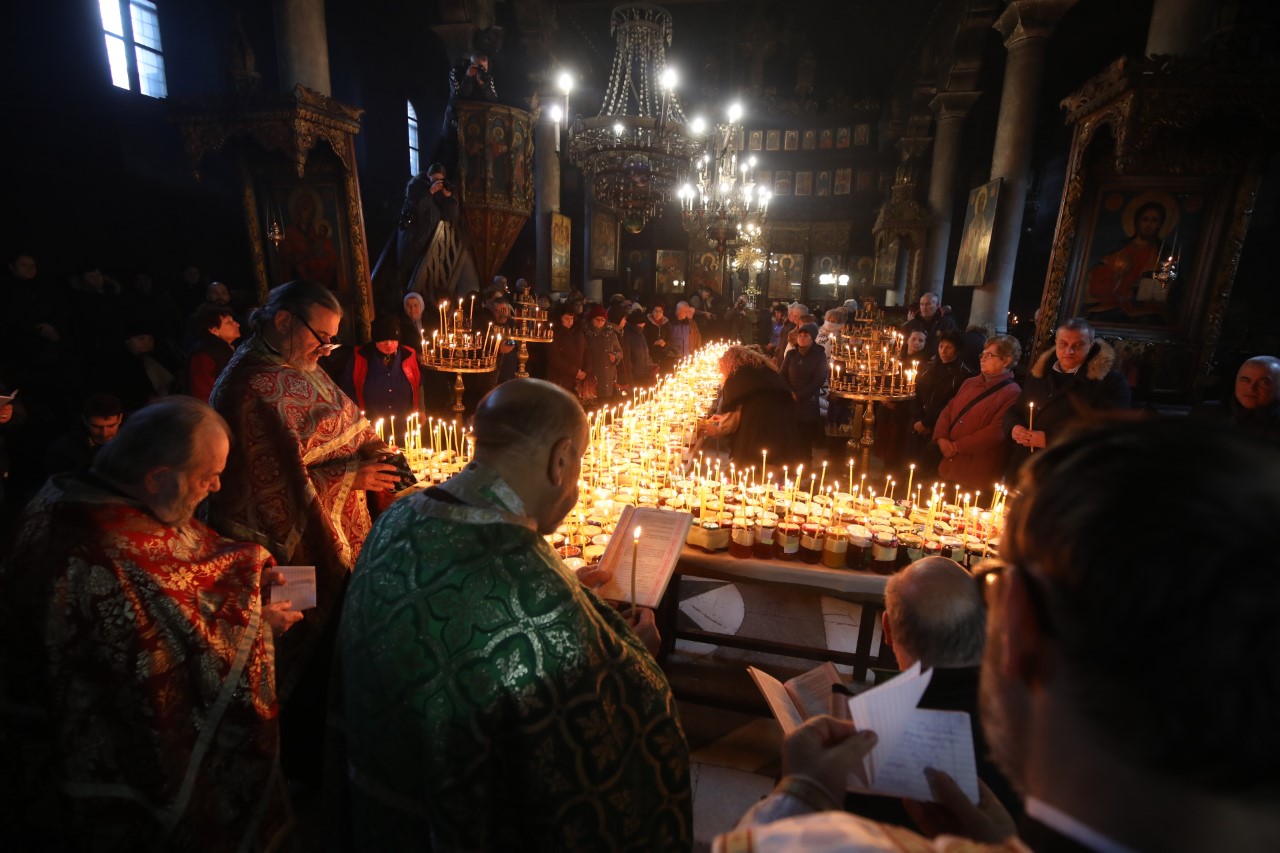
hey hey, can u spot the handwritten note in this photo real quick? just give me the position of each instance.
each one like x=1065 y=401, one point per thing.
x=299 y=586
x=662 y=538
x=909 y=739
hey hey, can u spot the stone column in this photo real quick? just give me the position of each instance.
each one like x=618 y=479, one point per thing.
x=1025 y=25
x=950 y=109
x=302 y=44
x=546 y=182
x=1178 y=27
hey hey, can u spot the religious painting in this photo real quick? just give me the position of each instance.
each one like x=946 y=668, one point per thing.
x=844 y=180
x=772 y=140
x=753 y=141
x=823 y=185
x=637 y=270
x=825 y=265
x=975 y=244
x=866 y=180
x=782 y=182
x=809 y=140
x=791 y=141
x=705 y=271
x=842 y=137
x=1139 y=259
x=862 y=134
x=804 y=183
x=313 y=216
x=764 y=178
x=786 y=272
x=824 y=138
x=604 y=243
x=885 y=273
x=669 y=275
x=561 y=230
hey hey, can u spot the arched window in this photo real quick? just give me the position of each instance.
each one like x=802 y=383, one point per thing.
x=131 y=29
x=413 y=139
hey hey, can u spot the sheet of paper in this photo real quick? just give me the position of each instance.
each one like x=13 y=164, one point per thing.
x=779 y=701
x=939 y=739
x=662 y=537
x=811 y=690
x=299 y=586
x=886 y=709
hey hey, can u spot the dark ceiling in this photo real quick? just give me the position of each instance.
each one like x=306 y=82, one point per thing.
x=859 y=45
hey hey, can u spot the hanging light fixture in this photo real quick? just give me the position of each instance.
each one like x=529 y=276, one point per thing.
x=636 y=151
x=724 y=203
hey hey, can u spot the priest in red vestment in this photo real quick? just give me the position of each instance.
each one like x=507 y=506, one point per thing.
x=137 y=691
x=302 y=458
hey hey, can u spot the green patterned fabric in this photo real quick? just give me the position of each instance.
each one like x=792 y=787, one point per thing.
x=491 y=701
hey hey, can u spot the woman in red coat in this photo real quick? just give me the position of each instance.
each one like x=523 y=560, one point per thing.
x=970 y=430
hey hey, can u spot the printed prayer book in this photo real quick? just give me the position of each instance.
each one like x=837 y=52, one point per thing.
x=909 y=738
x=662 y=536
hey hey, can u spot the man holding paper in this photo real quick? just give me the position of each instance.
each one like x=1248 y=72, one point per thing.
x=1091 y=636
x=491 y=700
x=137 y=684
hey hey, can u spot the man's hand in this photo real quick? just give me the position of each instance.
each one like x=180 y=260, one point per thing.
x=642 y=622
x=280 y=615
x=919 y=428
x=948 y=447
x=376 y=476
x=582 y=374
x=953 y=814
x=1027 y=437
x=827 y=750
x=660 y=342
x=594 y=577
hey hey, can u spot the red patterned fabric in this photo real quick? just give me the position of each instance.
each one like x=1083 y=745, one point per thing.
x=289 y=484
x=136 y=683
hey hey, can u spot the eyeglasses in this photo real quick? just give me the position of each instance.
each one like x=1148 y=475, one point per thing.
x=326 y=347
x=991 y=355
x=988 y=572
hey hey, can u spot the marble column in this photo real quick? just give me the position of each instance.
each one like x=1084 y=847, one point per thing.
x=949 y=108
x=302 y=45
x=1178 y=27
x=546 y=181
x=1025 y=25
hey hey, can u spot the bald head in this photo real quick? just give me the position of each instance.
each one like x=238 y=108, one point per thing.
x=533 y=433
x=935 y=615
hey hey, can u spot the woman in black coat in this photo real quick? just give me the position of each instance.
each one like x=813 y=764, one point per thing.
x=937 y=384
x=766 y=414
x=805 y=370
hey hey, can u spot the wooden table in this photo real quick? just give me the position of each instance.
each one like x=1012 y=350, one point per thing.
x=864 y=588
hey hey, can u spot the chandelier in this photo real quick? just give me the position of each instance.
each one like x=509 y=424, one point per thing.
x=635 y=152
x=724 y=204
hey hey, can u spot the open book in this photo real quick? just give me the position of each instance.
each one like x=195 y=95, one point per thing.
x=909 y=738
x=662 y=536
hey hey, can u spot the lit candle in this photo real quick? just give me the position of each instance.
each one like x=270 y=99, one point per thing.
x=911 y=473
x=1031 y=419
x=635 y=548
x=823 y=479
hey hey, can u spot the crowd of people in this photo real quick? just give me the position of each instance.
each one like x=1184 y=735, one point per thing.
x=455 y=681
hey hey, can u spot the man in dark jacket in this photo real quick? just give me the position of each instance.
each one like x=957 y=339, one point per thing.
x=383 y=375
x=1076 y=377
x=805 y=371
x=1255 y=402
x=931 y=321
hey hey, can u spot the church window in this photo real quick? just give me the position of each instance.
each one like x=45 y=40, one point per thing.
x=413 y=139
x=131 y=29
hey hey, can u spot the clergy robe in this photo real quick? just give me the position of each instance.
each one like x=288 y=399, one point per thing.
x=491 y=701
x=289 y=484
x=137 y=695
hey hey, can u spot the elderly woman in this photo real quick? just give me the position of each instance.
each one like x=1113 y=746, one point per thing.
x=756 y=410
x=970 y=429
x=604 y=354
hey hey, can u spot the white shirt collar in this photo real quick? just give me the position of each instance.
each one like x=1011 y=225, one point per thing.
x=1065 y=824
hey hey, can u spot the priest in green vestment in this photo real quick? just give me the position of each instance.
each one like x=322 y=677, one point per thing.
x=489 y=700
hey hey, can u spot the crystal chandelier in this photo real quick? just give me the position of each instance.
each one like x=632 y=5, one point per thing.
x=636 y=151
x=725 y=204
